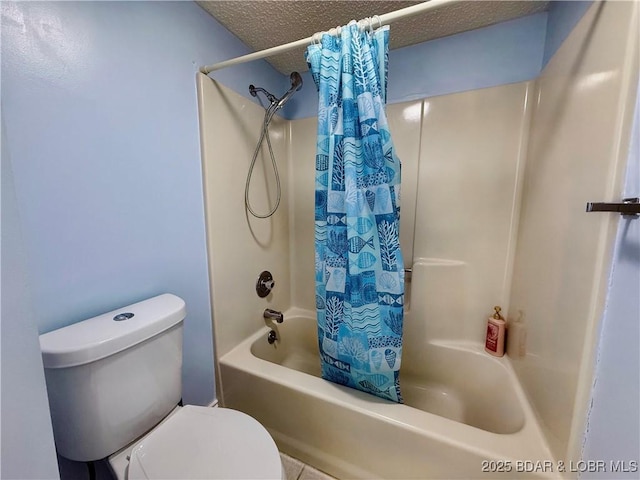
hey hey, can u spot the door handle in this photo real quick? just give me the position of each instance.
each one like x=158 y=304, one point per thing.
x=630 y=207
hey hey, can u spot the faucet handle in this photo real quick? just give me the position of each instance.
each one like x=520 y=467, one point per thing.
x=273 y=315
x=265 y=284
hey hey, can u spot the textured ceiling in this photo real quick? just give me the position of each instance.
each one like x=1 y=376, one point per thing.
x=262 y=24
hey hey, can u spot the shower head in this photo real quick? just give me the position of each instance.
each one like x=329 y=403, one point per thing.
x=296 y=84
x=296 y=80
x=278 y=103
x=254 y=93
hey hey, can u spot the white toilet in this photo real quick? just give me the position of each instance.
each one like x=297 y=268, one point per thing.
x=114 y=384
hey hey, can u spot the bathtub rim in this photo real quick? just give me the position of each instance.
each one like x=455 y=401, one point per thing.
x=528 y=443
x=478 y=381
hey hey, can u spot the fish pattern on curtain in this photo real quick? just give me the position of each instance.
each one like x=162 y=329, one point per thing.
x=359 y=269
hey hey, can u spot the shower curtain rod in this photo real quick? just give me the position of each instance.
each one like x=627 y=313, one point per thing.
x=385 y=19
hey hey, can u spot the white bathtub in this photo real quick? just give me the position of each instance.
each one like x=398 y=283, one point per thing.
x=465 y=414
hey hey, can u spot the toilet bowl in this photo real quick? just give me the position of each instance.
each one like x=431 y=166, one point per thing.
x=114 y=384
x=201 y=443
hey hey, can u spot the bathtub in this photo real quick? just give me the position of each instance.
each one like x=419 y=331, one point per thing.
x=465 y=414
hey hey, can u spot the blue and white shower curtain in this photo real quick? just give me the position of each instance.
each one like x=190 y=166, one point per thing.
x=359 y=268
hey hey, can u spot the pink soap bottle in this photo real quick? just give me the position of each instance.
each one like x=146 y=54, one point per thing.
x=494 y=343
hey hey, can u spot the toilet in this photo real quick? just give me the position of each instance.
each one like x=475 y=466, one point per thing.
x=114 y=386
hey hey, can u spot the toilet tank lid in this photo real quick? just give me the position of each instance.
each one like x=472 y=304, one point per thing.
x=102 y=336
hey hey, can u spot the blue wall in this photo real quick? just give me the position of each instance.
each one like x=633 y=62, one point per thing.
x=27 y=437
x=614 y=420
x=101 y=142
x=504 y=53
x=99 y=102
x=508 y=52
x=563 y=16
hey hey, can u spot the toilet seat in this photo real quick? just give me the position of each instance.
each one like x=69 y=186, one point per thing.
x=206 y=443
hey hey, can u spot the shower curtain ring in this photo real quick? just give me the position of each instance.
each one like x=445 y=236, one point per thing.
x=366 y=25
x=377 y=17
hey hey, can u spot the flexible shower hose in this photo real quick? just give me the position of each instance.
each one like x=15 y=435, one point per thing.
x=268 y=115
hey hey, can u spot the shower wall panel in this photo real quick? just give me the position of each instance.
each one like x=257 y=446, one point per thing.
x=471 y=161
x=462 y=158
x=302 y=187
x=405 y=120
x=579 y=136
x=239 y=245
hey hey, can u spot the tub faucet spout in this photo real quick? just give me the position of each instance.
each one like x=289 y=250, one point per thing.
x=273 y=315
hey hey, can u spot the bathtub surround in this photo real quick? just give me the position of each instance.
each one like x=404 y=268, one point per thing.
x=472 y=240
x=460 y=275
x=578 y=148
x=230 y=126
x=230 y=133
x=451 y=279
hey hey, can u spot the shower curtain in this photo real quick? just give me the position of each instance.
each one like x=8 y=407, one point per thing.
x=359 y=268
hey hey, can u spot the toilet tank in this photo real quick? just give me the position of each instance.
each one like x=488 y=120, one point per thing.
x=113 y=377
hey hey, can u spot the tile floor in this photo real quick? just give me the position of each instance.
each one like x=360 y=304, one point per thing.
x=296 y=470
